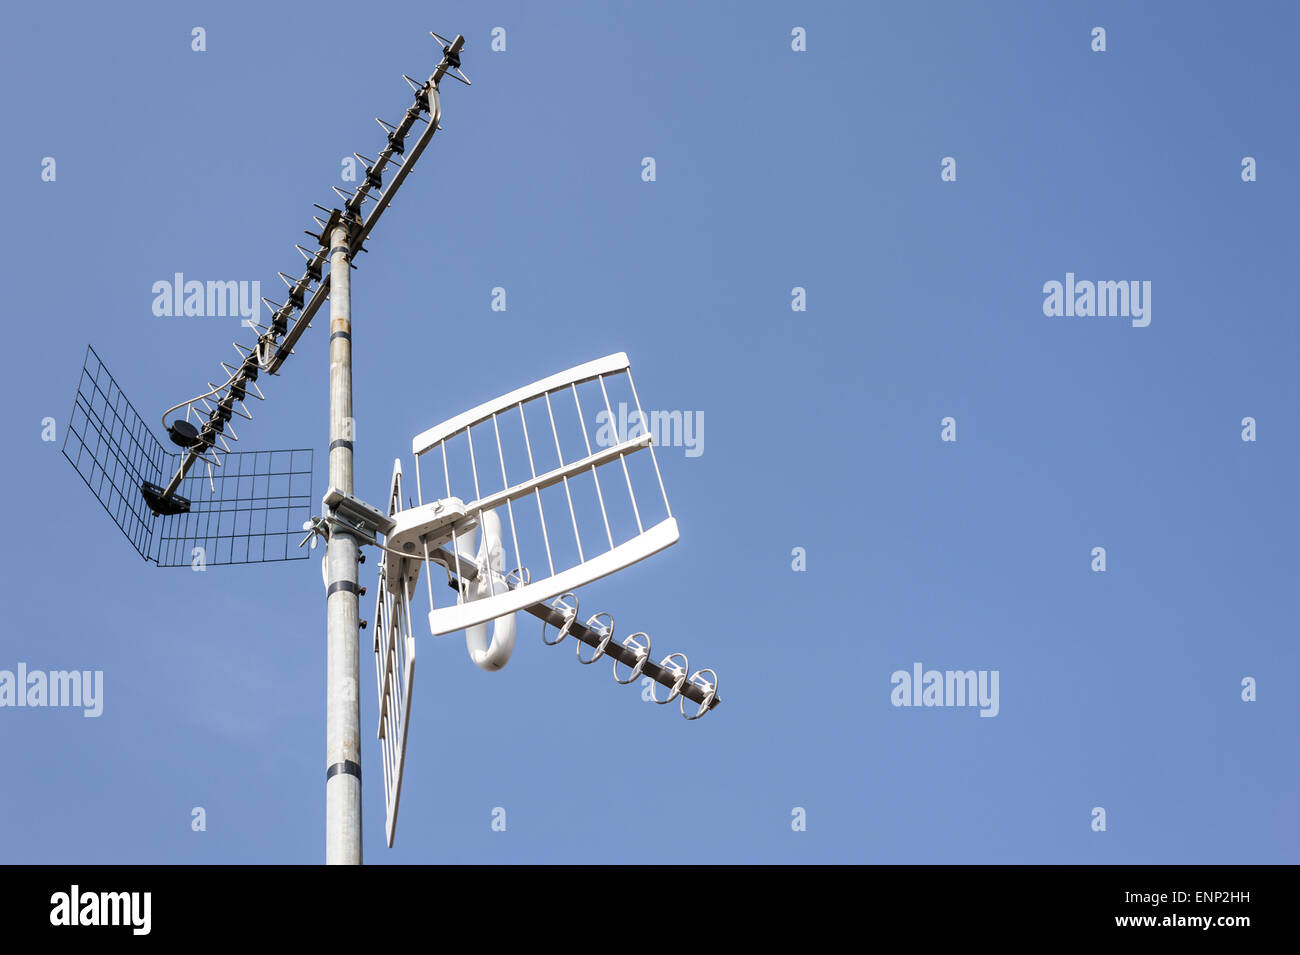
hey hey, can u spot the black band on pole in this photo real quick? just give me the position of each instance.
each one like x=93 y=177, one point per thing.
x=347 y=766
x=340 y=443
x=347 y=335
x=347 y=586
x=339 y=248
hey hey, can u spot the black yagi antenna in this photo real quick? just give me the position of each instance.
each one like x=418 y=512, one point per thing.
x=240 y=507
x=243 y=507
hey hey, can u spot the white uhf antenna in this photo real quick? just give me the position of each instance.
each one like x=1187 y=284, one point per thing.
x=541 y=494
x=520 y=502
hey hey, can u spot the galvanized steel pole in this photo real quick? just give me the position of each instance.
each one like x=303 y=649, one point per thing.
x=343 y=718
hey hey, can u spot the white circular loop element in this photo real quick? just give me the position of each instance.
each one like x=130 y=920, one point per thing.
x=561 y=603
x=710 y=693
x=606 y=634
x=489 y=651
x=679 y=672
x=642 y=651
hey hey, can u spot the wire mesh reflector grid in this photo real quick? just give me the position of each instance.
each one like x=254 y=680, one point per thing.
x=249 y=510
x=114 y=451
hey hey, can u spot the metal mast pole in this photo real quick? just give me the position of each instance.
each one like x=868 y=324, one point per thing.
x=340 y=237
x=344 y=233
x=343 y=718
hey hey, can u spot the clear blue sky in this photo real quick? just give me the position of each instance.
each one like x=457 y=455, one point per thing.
x=775 y=169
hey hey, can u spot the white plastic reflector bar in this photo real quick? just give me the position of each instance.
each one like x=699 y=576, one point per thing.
x=425 y=440
x=451 y=619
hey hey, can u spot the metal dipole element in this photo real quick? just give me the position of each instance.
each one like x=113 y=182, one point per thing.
x=343 y=718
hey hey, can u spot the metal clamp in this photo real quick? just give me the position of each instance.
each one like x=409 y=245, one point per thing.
x=315 y=527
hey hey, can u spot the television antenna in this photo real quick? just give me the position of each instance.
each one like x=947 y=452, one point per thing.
x=244 y=506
